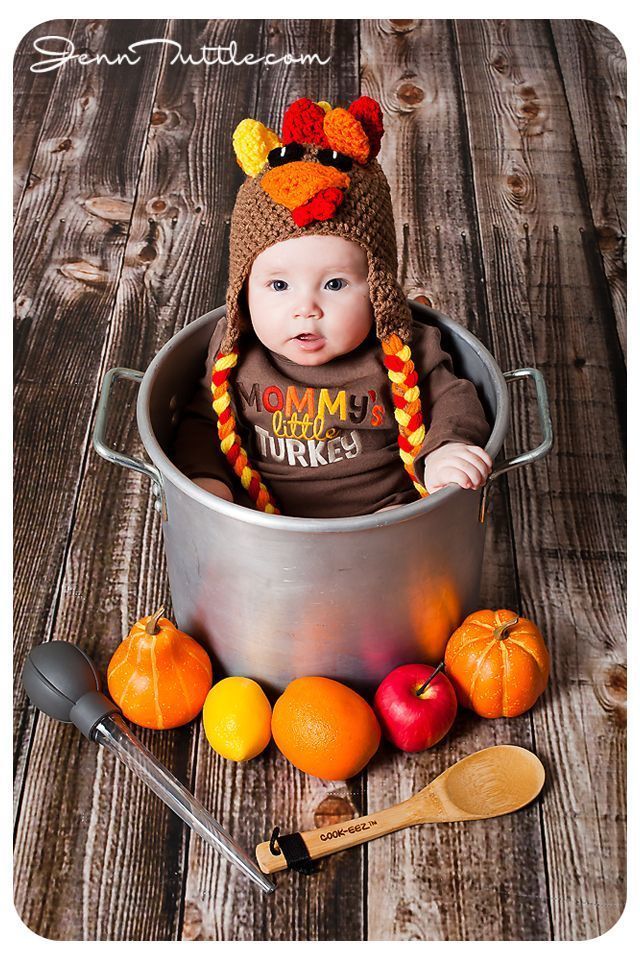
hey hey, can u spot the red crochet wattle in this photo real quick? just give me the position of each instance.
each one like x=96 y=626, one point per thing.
x=321 y=207
x=303 y=123
x=368 y=113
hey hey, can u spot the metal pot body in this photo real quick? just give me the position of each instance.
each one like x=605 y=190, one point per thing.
x=349 y=604
x=275 y=598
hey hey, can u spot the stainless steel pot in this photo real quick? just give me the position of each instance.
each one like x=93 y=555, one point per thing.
x=275 y=597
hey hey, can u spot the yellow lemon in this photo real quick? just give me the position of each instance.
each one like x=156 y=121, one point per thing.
x=237 y=718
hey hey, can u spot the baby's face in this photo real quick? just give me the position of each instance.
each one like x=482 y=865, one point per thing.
x=309 y=298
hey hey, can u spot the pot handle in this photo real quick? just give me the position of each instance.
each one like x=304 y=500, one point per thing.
x=546 y=427
x=114 y=456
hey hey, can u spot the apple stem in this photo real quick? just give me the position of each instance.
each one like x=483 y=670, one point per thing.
x=424 y=686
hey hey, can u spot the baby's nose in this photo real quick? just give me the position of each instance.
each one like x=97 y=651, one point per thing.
x=307 y=308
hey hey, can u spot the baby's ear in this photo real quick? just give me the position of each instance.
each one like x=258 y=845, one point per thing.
x=252 y=142
x=368 y=113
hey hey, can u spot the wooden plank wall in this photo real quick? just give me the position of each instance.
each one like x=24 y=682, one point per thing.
x=538 y=239
x=593 y=68
x=219 y=902
x=411 y=68
x=504 y=148
x=68 y=271
x=31 y=92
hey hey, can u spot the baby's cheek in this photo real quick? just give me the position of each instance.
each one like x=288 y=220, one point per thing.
x=353 y=325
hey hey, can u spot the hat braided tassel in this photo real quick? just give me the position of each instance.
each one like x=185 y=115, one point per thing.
x=406 y=399
x=230 y=442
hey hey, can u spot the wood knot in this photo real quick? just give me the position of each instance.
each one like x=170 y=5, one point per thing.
x=500 y=63
x=404 y=914
x=517 y=185
x=84 y=272
x=112 y=209
x=611 y=691
x=402 y=26
x=63 y=146
x=333 y=809
x=159 y=117
x=410 y=94
x=160 y=209
x=148 y=253
x=615 y=682
x=23 y=308
x=608 y=238
x=579 y=362
x=531 y=111
x=192 y=922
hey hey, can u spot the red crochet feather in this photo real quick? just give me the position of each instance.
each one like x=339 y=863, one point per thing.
x=367 y=111
x=303 y=122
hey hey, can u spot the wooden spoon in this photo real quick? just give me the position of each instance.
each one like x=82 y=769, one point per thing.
x=485 y=784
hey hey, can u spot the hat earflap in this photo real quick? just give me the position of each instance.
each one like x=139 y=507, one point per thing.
x=235 y=320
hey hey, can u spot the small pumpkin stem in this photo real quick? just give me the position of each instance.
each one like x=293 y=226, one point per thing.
x=151 y=626
x=424 y=686
x=502 y=632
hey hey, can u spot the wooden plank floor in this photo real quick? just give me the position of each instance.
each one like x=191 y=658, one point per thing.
x=505 y=151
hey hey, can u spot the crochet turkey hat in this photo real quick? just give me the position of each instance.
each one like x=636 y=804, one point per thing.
x=320 y=176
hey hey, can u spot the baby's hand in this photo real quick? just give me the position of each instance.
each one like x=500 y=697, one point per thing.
x=217 y=487
x=458 y=463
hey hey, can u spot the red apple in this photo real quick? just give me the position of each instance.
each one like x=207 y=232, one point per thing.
x=413 y=721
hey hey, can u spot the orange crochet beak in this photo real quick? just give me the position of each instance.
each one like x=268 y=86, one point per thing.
x=293 y=184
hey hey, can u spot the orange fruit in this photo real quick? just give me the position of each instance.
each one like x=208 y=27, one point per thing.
x=324 y=728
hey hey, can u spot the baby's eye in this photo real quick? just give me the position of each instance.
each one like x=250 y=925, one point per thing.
x=279 y=285
x=335 y=284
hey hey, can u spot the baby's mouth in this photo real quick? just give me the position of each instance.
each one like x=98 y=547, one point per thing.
x=310 y=341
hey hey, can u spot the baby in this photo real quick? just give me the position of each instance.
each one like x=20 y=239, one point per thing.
x=313 y=417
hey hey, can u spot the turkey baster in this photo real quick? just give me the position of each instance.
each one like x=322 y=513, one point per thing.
x=62 y=681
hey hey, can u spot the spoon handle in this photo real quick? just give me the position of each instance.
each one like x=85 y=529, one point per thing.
x=349 y=833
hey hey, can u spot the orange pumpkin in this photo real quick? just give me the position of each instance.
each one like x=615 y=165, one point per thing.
x=498 y=663
x=159 y=676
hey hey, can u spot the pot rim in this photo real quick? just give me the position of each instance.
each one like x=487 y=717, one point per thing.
x=387 y=518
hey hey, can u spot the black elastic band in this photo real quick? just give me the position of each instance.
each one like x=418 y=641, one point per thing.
x=294 y=850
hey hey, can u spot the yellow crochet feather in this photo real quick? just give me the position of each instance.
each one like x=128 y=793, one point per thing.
x=252 y=142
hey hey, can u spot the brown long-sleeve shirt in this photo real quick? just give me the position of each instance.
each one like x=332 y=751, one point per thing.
x=324 y=438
